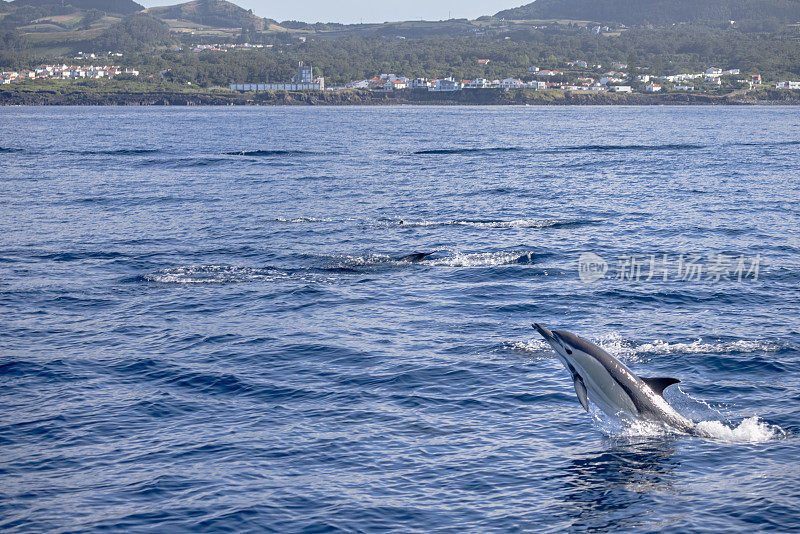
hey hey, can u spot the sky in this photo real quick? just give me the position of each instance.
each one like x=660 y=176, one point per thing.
x=355 y=11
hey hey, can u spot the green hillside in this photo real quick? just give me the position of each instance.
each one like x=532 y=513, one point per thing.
x=58 y=7
x=214 y=13
x=658 y=12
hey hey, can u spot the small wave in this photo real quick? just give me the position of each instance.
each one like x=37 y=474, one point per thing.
x=529 y=348
x=767 y=143
x=609 y=148
x=455 y=151
x=627 y=351
x=617 y=346
x=300 y=220
x=6 y=150
x=116 y=152
x=182 y=163
x=217 y=274
x=272 y=153
x=498 y=223
x=483 y=259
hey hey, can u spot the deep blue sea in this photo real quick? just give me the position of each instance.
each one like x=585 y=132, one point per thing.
x=205 y=325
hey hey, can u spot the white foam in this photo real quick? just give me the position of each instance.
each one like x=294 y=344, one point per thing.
x=299 y=220
x=617 y=346
x=751 y=430
x=514 y=223
x=215 y=274
x=485 y=259
x=531 y=348
x=698 y=346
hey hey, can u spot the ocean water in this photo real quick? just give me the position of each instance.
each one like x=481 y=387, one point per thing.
x=205 y=325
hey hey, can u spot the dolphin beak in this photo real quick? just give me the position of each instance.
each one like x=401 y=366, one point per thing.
x=546 y=334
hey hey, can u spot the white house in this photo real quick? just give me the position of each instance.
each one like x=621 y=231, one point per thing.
x=446 y=84
x=787 y=85
x=714 y=71
x=652 y=88
x=684 y=88
x=360 y=84
x=511 y=83
x=539 y=86
x=478 y=83
x=419 y=83
x=620 y=89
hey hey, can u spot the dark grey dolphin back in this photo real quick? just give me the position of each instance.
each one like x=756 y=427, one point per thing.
x=415 y=257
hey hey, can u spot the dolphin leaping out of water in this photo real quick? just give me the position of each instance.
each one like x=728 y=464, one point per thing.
x=611 y=385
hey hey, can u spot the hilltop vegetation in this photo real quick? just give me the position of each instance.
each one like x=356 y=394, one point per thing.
x=659 y=12
x=215 y=13
x=57 y=7
x=139 y=32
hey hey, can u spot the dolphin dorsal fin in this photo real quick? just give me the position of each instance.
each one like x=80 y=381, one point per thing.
x=659 y=384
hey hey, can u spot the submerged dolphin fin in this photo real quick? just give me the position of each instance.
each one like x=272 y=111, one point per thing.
x=415 y=257
x=580 y=389
x=659 y=384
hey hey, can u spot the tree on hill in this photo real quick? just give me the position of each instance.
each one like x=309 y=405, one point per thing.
x=122 y=7
x=138 y=32
x=215 y=13
x=659 y=12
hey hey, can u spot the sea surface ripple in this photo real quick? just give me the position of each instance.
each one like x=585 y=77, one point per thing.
x=207 y=324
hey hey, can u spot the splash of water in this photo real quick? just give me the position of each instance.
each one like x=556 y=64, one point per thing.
x=751 y=430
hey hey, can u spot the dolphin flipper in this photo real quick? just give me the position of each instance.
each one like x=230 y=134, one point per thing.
x=580 y=389
x=659 y=384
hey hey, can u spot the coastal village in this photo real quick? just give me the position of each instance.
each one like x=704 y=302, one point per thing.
x=577 y=76
x=65 y=72
x=574 y=76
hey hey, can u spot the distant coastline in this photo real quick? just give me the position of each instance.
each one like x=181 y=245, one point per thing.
x=367 y=98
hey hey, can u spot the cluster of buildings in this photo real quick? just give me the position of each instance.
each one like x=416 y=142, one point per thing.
x=616 y=80
x=225 y=47
x=65 y=72
x=386 y=83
